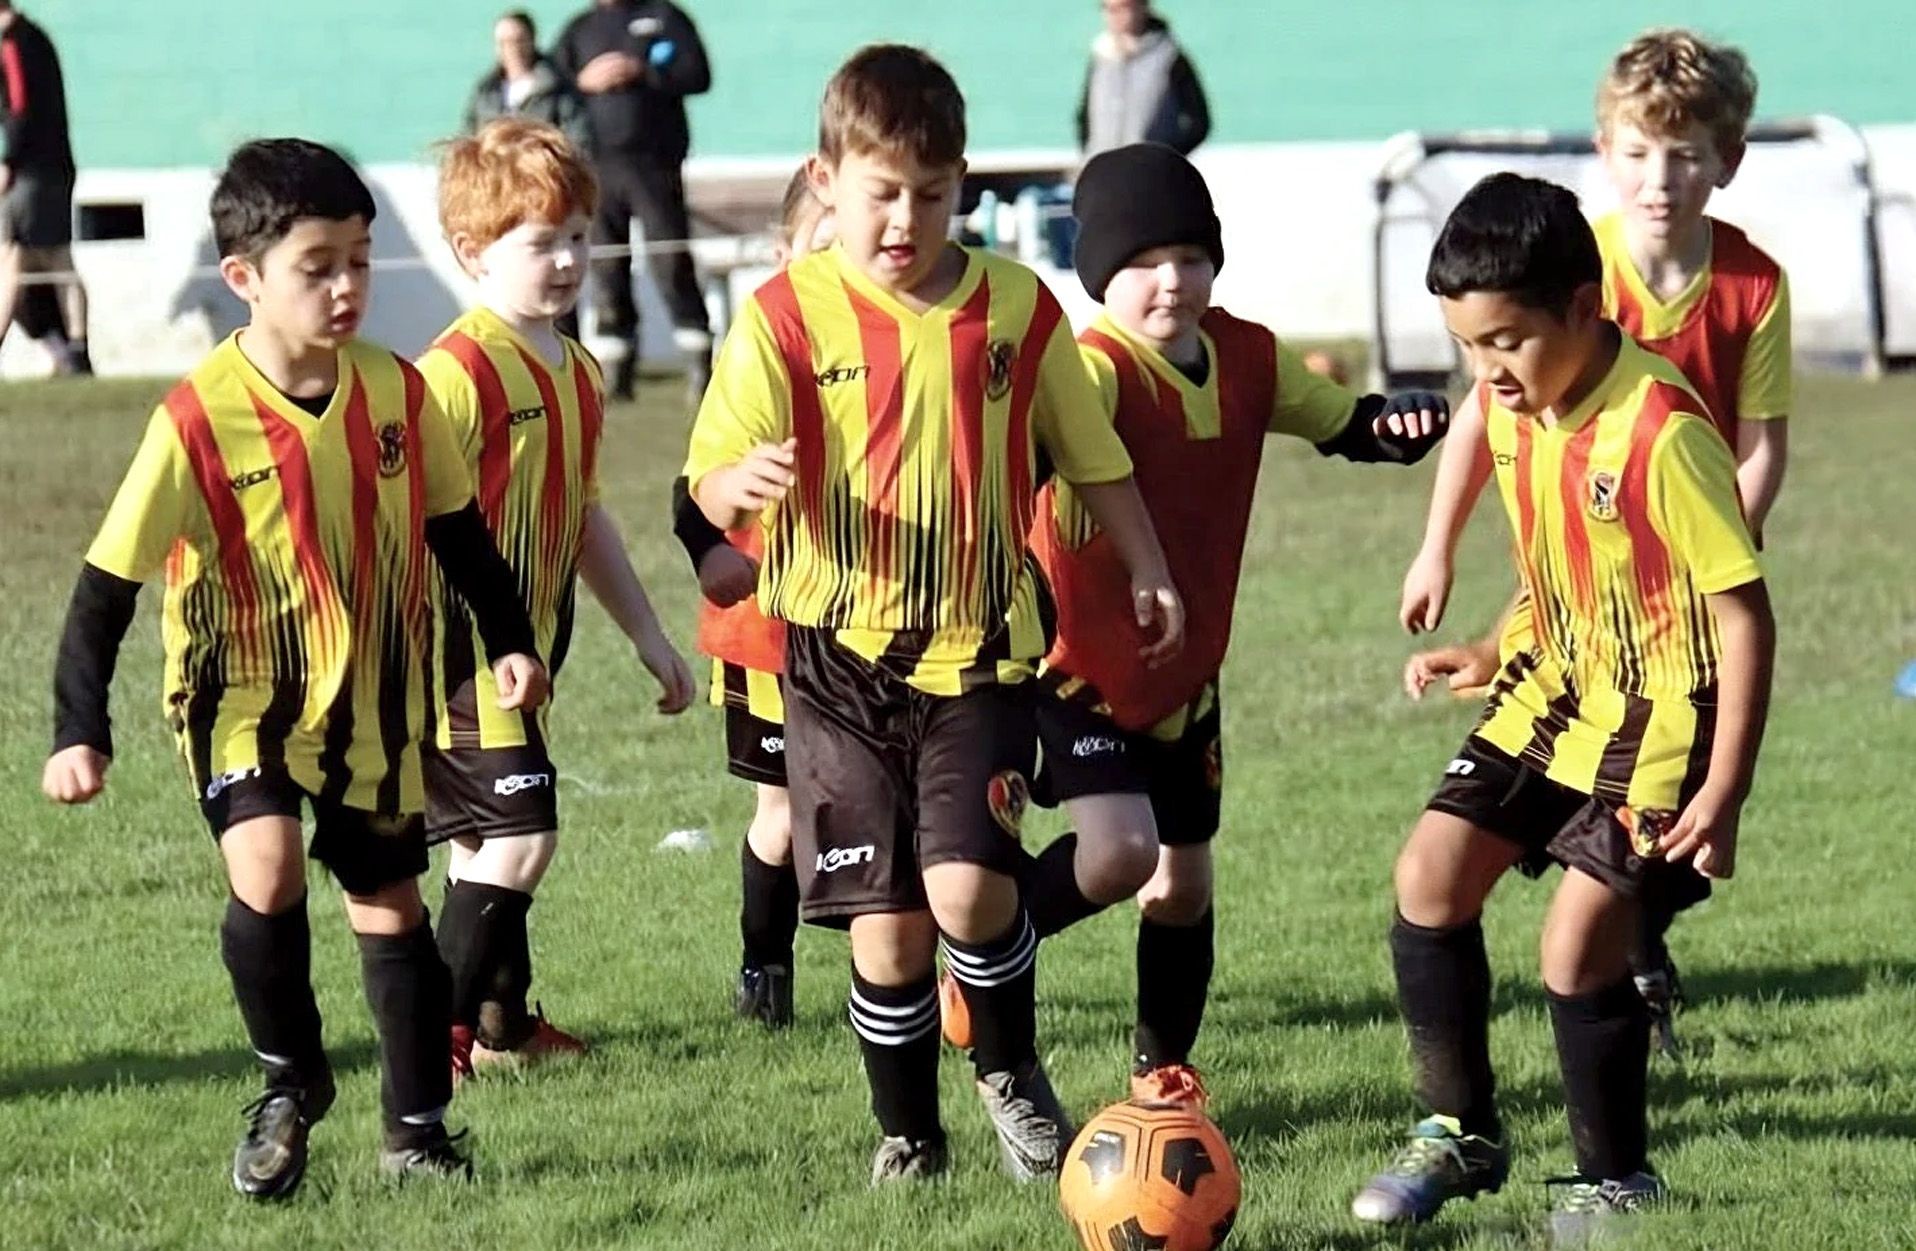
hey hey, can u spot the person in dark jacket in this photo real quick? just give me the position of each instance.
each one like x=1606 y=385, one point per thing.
x=635 y=61
x=525 y=84
x=1140 y=86
x=36 y=190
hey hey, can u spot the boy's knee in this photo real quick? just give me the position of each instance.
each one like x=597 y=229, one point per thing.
x=1116 y=865
x=770 y=833
x=894 y=948
x=1175 y=902
x=395 y=908
x=971 y=903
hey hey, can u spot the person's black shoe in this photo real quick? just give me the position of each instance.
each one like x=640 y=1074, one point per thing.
x=270 y=1160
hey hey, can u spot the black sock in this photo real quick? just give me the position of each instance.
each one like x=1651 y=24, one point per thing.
x=897 y=1028
x=1050 y=888
x=1174 y=981
x=482 y=937
x=999 y=980
x=1443 y=989
x=270 y=961
x=410 y=994
x=1651 y=954
x=768 y=911
x=1603 y=1046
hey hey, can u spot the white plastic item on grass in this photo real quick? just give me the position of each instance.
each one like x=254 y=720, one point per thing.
x=686 y=840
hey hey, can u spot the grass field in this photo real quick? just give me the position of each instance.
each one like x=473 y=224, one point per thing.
x=1793 y=1125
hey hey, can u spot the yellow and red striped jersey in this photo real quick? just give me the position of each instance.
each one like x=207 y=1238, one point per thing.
x=297 y=609
x=1625 y=517
x=530 y=432
x=1728 y=332
x=922 y=440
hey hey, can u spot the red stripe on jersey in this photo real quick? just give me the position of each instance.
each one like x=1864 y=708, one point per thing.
x=495 y=424
x=591 y=422
x=362 y=450
x=553 y=504
x=970 y=332
x=779 y=299
x=1576 y=494
x=1527 y=517
x=1019 y=489
x=1649 y=553
x=195 y=433
x=302 y=518
x=16 y=77
x=878 y=341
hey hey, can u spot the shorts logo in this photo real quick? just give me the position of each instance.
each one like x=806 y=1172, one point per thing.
x=520 y=782
x=392 y=450
x=1214 y=764
x=1008 y=795
x=1603 y=495
x=1097 y=745
x=772 y=745
x=838 y=857
x=1000 y=355
x=218 y=785
x=1461 y=768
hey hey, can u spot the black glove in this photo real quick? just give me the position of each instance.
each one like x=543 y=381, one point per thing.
x=1361 y=440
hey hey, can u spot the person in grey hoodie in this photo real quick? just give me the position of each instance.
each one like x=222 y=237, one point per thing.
x=1140 y=86
x=525 y=84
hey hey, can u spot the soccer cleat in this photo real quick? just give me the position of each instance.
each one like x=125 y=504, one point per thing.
x=1169 y=1086
x=954 y=1014
x=1662 y=994
x=270 y=1160
x=907 y=1159
x=1032 y=1128
x=1438 y=1164
x=765 y=993
x=1585 y=1208
x=436 y=1154
x=545 y=1042
x=462 y=1041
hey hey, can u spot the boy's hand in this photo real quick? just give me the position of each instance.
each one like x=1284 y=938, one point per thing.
x=727 y=575
x=521 y=681
x=1426 y=592
x=1467 y=666
x=1158 y=603
x=1706 y=833
x=760 y=478
x=74 y=775
x=673 y=674
x=1412 y=422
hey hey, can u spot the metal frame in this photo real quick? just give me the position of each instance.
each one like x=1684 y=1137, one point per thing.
x=1404 y=152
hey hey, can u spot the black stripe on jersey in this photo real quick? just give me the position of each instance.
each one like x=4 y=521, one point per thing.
x=395 y=674
x=562 y=629
x=1629 y=675
x=1702 y=649
x=737 y=693
x=1696 y=767
x=1047 y=602
x=202 y=711
x=903 y=653
x=1505 y=682
x=460 y=665
x=276 y=721
x=335 y=775
x=1619 y=761
x=1545 y=731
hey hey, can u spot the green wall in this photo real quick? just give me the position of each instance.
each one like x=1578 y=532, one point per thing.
x=176 y=82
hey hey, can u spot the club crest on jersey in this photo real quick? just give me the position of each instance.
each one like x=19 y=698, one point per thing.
x=1603 y=495
x=392 y=449
x=1008 y=795
x=999 y=356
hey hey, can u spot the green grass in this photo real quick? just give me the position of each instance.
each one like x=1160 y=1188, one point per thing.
x=1794 y=1125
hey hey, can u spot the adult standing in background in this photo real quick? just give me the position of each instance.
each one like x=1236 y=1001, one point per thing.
x=635 y=61
x=36 y=185
x=1140 y=86
x=525 y=84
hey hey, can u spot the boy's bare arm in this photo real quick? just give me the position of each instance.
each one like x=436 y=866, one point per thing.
x=1462 y=470
x=1707 y=827
x=609 y=574
x=1762 y=456
x=731 y=495
x=1119 y=511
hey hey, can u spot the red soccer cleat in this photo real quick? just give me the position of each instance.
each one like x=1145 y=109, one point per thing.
x=545 y=1042
x=462 y=1043
x=1170 y=1085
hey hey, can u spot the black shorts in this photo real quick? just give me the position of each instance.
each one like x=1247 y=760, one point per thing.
x=489 y=792
x=754 y=747
x=1087 y=753
x=888 y=781
x=37 y=210
x=1556 y=824
x=364 y=851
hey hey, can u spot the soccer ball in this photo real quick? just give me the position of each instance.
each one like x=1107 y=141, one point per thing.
x=1154 y=1178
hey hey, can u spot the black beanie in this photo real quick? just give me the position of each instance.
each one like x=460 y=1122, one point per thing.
x=1135 y=198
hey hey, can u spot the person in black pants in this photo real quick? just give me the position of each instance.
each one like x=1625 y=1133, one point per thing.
x=635 y=61
x=36 y=196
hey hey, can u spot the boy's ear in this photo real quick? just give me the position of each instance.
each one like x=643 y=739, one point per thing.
x=466 y=250
x=241 y=277
x=818 y=173
x=1586 y=303
x=1732 y=161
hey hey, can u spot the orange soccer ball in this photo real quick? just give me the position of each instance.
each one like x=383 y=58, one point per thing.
x=1149 y=1178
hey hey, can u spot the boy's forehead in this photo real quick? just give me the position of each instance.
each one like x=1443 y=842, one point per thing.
x=1477 y=313
x=895 y=166
x=1642 y=127
x=309 y=233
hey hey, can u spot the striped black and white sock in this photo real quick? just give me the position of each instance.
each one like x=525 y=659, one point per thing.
x=897 y=1028
x=1000 y=984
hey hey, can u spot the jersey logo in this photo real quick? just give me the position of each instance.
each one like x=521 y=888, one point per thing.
x=1008 y=795
x=841 y=373
x=1603 y=495
x=999 y=357
x=392 y=450
x=520 y=416
x=251 y=478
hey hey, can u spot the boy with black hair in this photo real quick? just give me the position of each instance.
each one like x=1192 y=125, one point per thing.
x=1623 y=730
x=291 y=488
x=890 y=406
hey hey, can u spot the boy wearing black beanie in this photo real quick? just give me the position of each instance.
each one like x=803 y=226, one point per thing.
x=1132 y=750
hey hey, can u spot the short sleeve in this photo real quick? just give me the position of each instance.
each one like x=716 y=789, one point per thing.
x=1763 y=393
x=447 y=474
x=1309 y=405
x=458 y=398
x=150 y=512
x=1693 y=489
x=1073 y=416
x=748 y=401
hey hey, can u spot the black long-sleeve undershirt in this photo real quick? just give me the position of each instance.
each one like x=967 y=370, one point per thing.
x=696 y=534
x=466 y=553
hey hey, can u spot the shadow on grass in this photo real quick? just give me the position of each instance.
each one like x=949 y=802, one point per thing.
x=99 y=1073
x=1796 y=983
